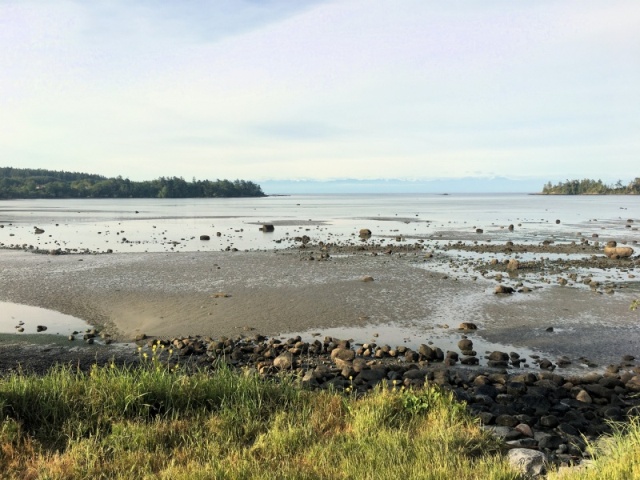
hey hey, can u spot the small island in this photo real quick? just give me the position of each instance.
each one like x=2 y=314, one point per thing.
x=40 y=183
x=591 y=187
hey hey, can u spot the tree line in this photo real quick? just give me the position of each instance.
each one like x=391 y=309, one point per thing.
x=41 y=183
x=592 y=187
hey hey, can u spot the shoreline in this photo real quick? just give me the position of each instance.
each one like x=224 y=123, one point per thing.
x=422 y=296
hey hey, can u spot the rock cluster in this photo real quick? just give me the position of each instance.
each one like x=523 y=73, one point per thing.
x=542 y=411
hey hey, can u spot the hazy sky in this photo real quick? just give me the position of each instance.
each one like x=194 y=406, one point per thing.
x=303 y=89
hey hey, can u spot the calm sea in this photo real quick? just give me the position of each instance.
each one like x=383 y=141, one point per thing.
x=157 y=225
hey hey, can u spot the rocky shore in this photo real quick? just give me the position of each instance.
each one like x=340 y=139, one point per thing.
x=542 y=410
x=205 y=308
x=534 y=408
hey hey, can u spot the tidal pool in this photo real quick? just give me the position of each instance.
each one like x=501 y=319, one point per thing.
x=14 y=316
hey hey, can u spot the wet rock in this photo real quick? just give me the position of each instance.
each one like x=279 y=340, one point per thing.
x=205 y=237
x=467 y=326
x=503 y=289
x=546 y=364
x=267 y=227
x=469 y=361
x=364 y=233
x=41 y=328
x=499 y=356
x=426 y=352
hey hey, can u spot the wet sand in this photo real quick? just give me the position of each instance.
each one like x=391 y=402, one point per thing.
x=284 y=292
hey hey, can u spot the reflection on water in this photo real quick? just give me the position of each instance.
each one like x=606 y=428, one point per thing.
x=14 y=317
x=447 y=340
x=174 y=225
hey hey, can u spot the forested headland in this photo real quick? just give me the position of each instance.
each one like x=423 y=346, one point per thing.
x=41 y=183
x=592 y=187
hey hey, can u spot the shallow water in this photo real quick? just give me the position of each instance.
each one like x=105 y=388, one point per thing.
x=14 y=316
x=158 y=225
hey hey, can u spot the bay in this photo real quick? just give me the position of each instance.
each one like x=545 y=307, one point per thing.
x=157 y=225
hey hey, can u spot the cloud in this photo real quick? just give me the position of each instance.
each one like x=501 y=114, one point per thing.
x=299 y=89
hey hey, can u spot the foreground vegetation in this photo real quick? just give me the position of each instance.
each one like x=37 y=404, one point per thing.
x=592 y=187
x=156 y=421
x=40 y=183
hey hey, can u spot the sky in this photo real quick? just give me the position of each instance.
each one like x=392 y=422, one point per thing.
x=291 y=90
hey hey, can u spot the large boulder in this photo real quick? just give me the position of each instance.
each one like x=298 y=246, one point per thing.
x=365 y=232
x=528 y=462
x=613 y=251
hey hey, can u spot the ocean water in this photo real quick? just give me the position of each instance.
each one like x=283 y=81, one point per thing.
x=159 y=225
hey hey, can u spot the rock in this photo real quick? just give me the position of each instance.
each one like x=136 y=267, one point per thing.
x=140 y=337
x=366 y=278
x=38 y=230
x=546 y=364
x=584 y=397
x=525 y=430
x=503 y=289
x=344 y=354
x=469 y=361
x=465 y=345
x=549 y=421
x=468 y=326
x=479 y=230
x=513 y=265
x=499 y=356
x=41 y=328
x=528 y=462
x=205 y=237
x=618 y=252
x=506 y=421
x=284 y=361
x=426 y=352
x=372 y=375
x=365 y=232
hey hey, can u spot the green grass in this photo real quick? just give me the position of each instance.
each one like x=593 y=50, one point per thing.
x=153 y=421
x=616 y=457
x=156 y=422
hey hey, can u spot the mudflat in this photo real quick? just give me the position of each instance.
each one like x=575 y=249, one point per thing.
x=414 y=298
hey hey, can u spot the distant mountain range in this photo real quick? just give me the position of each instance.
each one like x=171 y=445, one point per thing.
x=455 y=185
